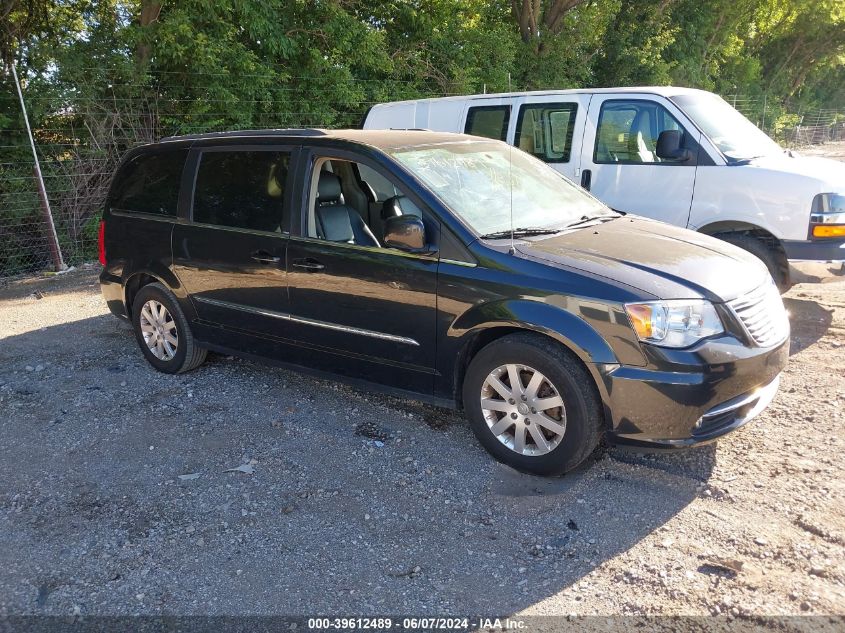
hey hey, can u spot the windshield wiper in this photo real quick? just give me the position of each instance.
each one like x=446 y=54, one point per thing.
x=585 y=219
x=519 y=232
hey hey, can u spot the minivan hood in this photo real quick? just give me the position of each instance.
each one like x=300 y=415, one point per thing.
x=662 y=260
x=826 y=170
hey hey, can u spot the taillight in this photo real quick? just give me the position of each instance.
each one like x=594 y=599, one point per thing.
x=101 y=242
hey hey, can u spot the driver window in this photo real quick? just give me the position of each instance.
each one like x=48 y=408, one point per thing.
x=628 y=131
x=351 y=203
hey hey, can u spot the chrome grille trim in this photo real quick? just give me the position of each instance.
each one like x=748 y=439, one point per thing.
x=762 y=315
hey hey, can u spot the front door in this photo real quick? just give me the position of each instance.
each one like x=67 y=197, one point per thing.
x=619 y=164
x=365 y=309
x=230 y=254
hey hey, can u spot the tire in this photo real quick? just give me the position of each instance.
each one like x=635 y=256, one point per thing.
x=777 y=265
x=148 y=318
x=562 y=375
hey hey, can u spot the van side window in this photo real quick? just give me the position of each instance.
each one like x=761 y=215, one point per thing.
x=489 y=121
x=241 y=189
x=150 y=183
x=545 y=130
x=628 y=131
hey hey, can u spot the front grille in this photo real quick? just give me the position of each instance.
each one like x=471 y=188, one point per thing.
x=762 y=314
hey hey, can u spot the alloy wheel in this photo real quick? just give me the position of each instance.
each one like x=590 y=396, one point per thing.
x=159 y=330
x=523 y=409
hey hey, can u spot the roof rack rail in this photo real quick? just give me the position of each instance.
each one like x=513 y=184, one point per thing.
x=236 y=133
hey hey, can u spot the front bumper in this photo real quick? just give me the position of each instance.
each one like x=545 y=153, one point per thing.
x=814 y=250
x=720 y=387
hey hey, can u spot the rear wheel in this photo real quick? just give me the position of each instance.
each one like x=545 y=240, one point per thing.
x=162 y=331
x=532 y=405
x=772 y=257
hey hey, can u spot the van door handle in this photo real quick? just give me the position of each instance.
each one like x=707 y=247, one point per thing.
x=586 y=179
x=308 y=265
x=265 y=258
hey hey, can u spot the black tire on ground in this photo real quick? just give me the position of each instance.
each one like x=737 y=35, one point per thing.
x=188 y=354
x=770 y=256
x=584 y=417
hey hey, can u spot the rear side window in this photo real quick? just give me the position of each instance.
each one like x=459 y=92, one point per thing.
x=149 y=183
x=489 y=121
x=546 y=129
x=242 y=189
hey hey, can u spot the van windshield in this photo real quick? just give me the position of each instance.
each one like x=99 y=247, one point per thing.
x=494 y=187
x=735 y=136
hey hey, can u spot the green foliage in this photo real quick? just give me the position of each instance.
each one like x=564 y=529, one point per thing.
x=103 y=75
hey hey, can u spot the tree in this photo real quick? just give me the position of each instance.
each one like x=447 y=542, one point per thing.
x=20 y=19
x=539 y=17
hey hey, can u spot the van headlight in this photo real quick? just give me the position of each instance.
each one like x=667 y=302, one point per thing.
x=827 y=218
x=676 y=323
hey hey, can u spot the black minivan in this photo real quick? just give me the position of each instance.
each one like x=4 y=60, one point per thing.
x=449 y=268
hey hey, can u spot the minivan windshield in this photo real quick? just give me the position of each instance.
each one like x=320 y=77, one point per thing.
x=495 y=188
x=735 y=136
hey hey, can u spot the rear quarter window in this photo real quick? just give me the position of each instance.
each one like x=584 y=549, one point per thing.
x=149 y=183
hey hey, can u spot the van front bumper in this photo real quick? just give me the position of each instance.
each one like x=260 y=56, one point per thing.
x=814 y=250
x=677 y=409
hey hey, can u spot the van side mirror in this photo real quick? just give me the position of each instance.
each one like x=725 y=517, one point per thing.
x=669 y=146
x=406 y=233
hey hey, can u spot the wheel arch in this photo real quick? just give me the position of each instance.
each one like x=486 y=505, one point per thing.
x=716 y=229
x=149 y=275
x=580 y=340
x=736 y=226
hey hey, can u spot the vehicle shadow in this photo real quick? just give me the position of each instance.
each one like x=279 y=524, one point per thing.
x=349 y=502
x=809 y=321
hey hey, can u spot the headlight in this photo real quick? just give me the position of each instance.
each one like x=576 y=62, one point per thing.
x=677 y=323
x=827 y=218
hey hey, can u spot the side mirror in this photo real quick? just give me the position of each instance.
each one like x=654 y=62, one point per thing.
x=405 y=232
x=669 y=146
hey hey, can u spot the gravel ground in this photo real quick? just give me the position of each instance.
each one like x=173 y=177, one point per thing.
x=120 y=496
x=116 y=498
x=828 y=150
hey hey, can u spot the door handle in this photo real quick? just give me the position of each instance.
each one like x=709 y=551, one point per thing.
x=308 y=265
x=265 y=258
x=586 y=179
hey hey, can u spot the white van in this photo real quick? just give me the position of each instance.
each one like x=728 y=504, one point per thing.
x=674 y=154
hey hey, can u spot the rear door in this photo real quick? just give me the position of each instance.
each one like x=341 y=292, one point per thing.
x=619 y=164
x=551 y=127
x=230 y=252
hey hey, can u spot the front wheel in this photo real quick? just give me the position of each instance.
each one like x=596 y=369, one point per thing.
x=162 y=331
x=532 y=405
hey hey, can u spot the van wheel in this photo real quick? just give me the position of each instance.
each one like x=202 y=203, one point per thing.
x=162 y=331
x=532 y=405
x=774 y=260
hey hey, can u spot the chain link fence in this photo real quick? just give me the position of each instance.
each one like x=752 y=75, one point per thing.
x=80 y=145
x=81 y=142
x=790 y=127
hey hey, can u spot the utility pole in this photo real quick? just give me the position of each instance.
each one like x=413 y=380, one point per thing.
x=52 y=238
